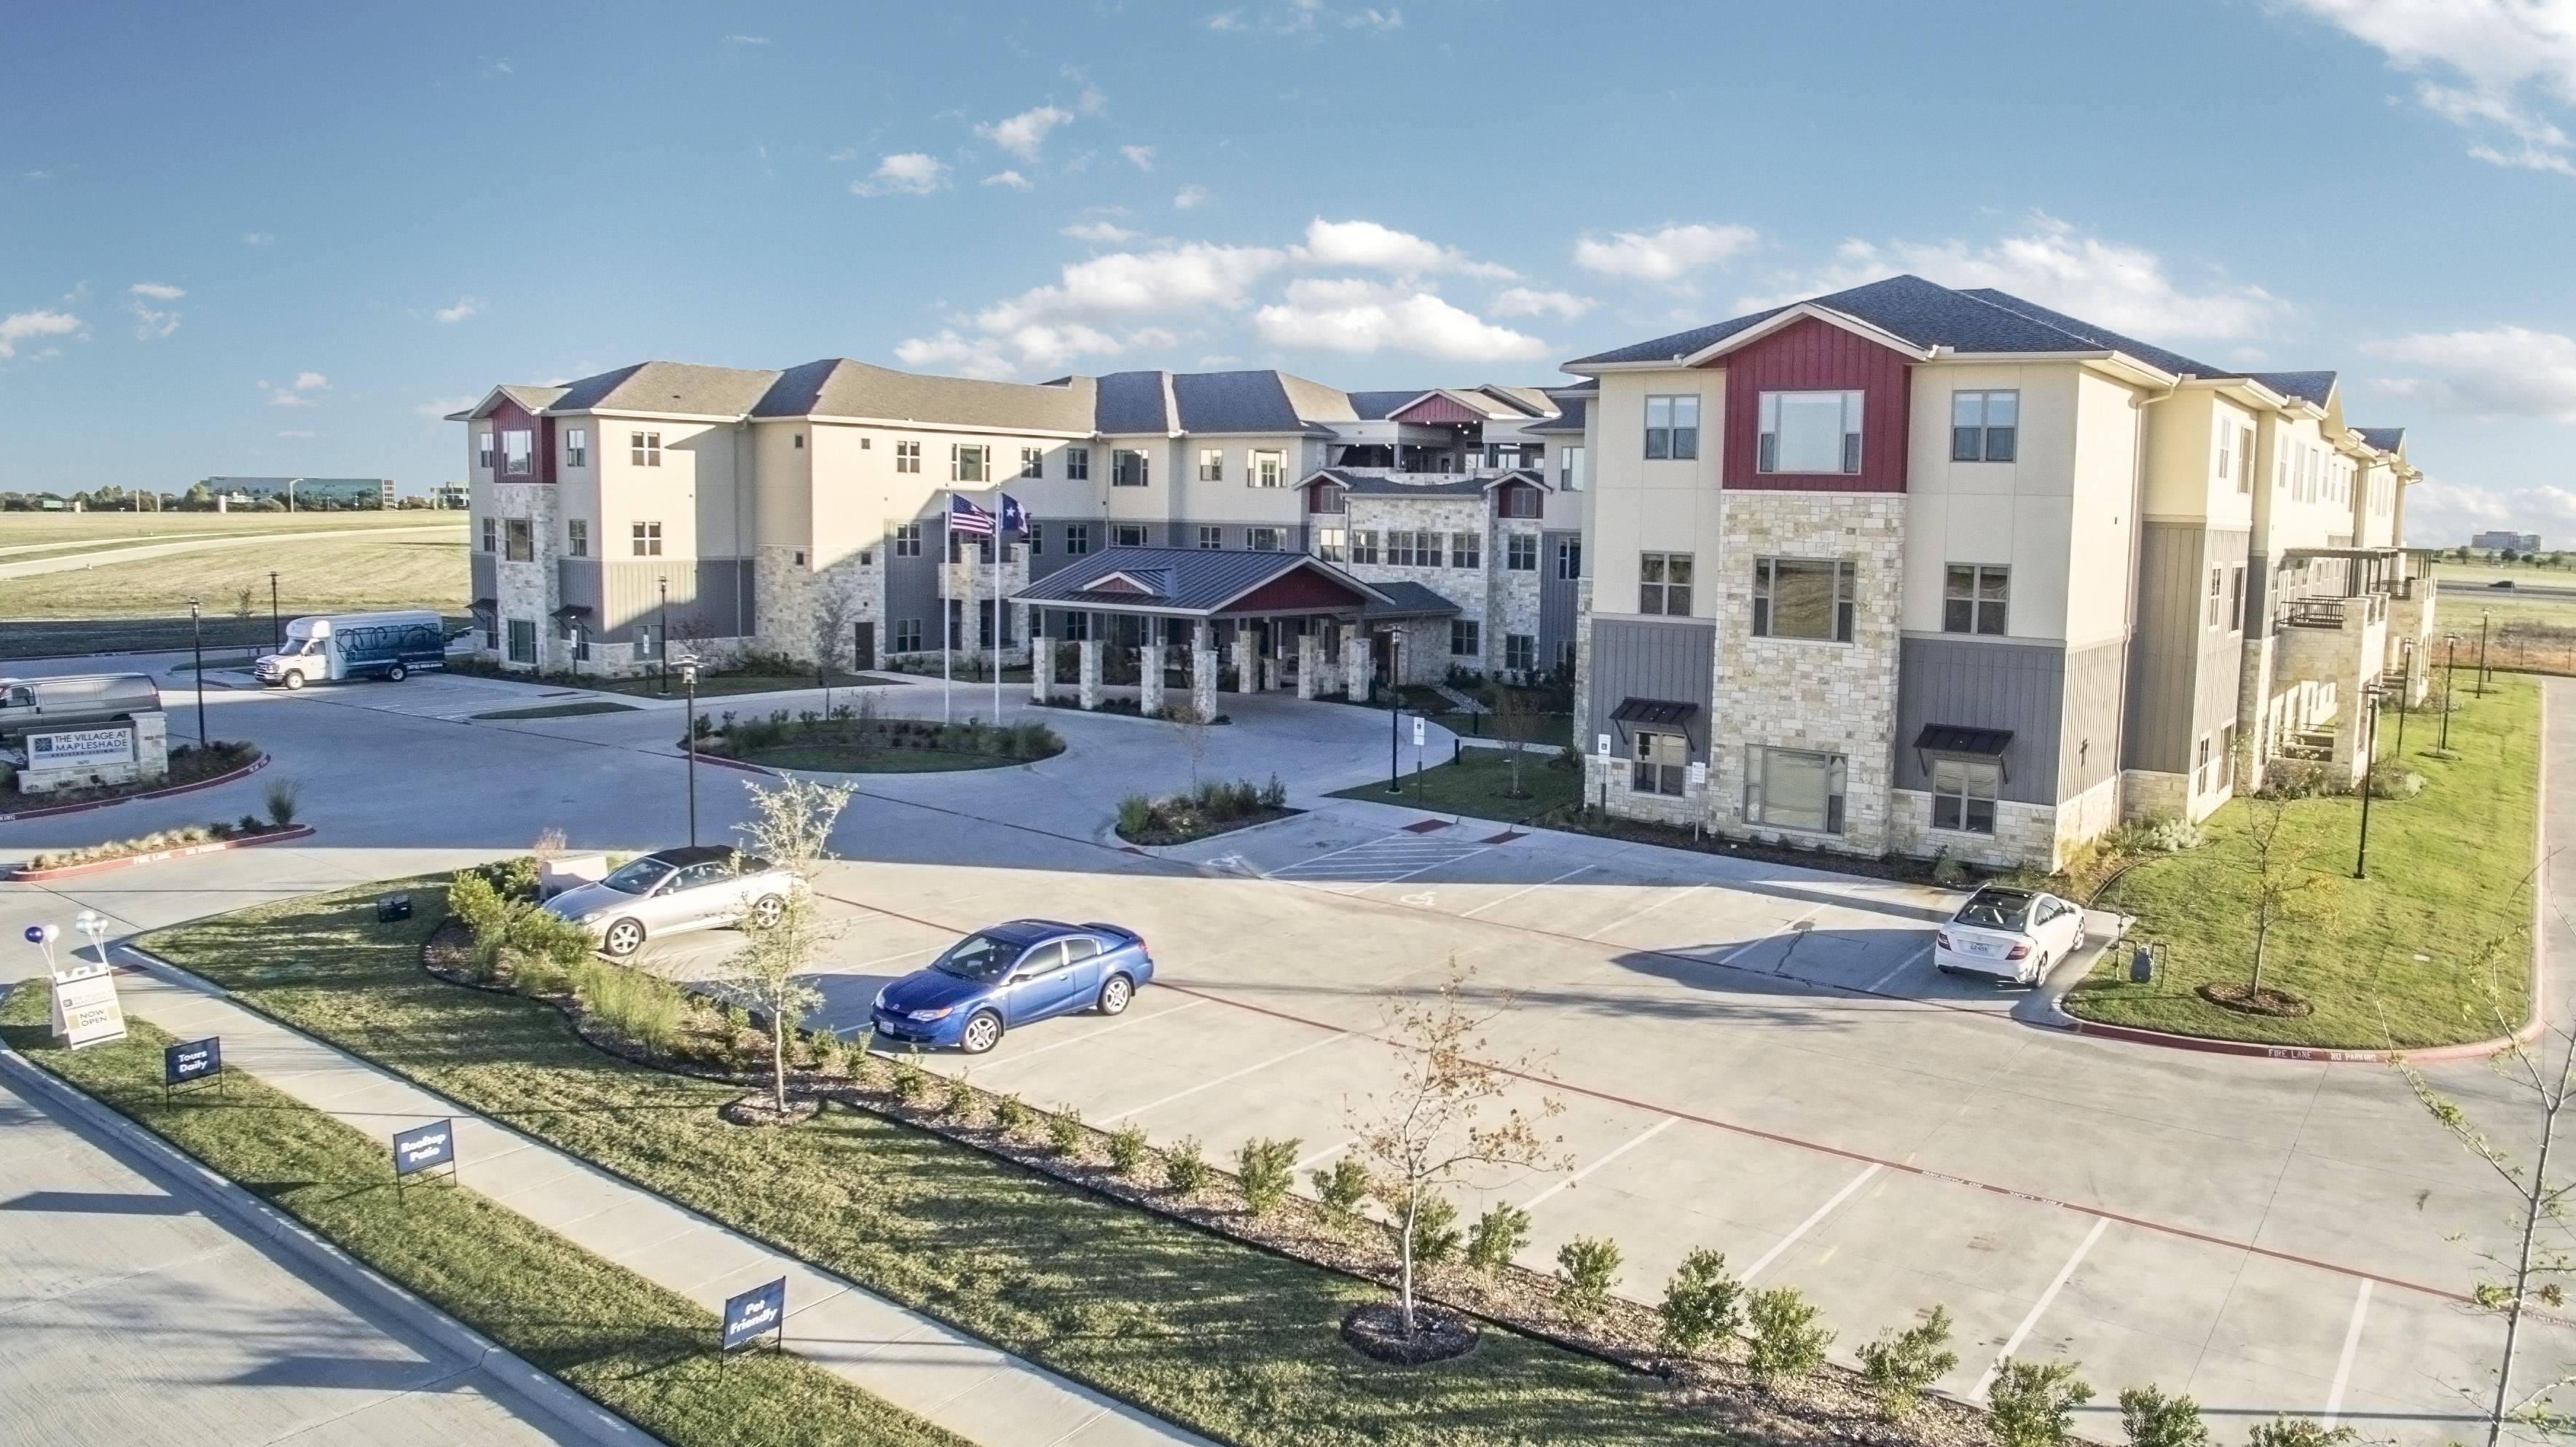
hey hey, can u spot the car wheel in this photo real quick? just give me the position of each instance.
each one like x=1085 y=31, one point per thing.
x=295 y=680
x=1115 y=994
x=765 y=911
x=622 y=939
x=982 y=1033
x=397 y=674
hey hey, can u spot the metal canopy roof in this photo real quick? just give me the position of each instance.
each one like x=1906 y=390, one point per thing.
x=1959 y=739
x=1189 y=582
x=1652 y=711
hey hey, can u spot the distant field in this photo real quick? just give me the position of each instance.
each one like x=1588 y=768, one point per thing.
x=41 y=534
x=320 y=575
x=2478 y=575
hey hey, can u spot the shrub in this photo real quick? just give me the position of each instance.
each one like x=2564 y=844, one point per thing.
x=911 y=1082
x=1341 y=1187
x=1900 y=1366
x=737 y=1022
x=1065 y=1134
x=1186 y=1168
x=1012 y=1116
x=960 y=1106
x=2172 y=835
x=2395 y=783
x=1435 y=1231
x=1786 y=1340
x=1274 y=795
x=282 y=798
x=1947 y=872
x=1135 y=815
x=2297 y=1432
x=1588 y=1266
x=1267 y=1170
x=831 y=1055
x=2152 y=1419
x=513 y=879
x=248 y=824
x=1702 y=1304
x=2032 y=1404
x=1499 y=1235
x=473 y=901
x=549 y=845
x=1127 y=1149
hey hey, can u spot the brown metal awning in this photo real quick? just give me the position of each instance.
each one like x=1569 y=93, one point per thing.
x=1959 y=739
x=1652 y=711
x=487 y=607
x=572 y=610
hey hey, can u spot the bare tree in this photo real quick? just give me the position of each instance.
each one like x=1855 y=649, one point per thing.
x=1443 y=1121
x=791 y=827
x=2281 y=890
x=2535 y=1271
x=1194 y=736
x=1512 y=715
x=831 y=628
x=242 y=603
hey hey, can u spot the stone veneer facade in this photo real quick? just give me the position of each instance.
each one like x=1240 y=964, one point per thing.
x=790 y=596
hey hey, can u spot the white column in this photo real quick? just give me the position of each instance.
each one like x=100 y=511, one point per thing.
x=1355 y=665
x=1149 y=680
x=1041 y=668
x=1247 y=662
x=1307 y=666
x=1203 y=678
x=1089 y=697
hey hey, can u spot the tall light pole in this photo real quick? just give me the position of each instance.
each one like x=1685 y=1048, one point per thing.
x=689 y=677
x=197 y=645
x=663 y=651
x=2484 y=618
x=276 y=631
x=1394 y=709
x=2450 y=672
x=2369 y=748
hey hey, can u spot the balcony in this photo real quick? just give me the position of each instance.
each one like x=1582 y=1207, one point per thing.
x=2334 y=613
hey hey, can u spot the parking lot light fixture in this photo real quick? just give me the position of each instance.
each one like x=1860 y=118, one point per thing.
x=2485 y=617
x=689 y=680
x=197 y=647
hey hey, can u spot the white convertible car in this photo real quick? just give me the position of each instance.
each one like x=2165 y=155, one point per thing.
x=2009 y=934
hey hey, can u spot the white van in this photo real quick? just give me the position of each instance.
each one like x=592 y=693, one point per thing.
x=356 y=645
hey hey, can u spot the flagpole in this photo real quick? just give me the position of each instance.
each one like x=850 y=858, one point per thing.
x=998 y=544
x=947 y=633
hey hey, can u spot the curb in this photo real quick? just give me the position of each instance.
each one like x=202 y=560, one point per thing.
x=129 y=861
x=2310 y=1054
x=244 y=772
x=317 y=1258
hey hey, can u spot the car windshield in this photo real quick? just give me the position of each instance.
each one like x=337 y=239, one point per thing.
x=981 y=958
x=1991 y=910
x=638 y=877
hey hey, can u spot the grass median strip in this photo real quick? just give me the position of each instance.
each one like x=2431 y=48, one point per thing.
x=642 y=1352
x=1228 y=1340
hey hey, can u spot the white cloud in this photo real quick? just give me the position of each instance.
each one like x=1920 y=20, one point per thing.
x=1190 y=198
x=1305 y=18
x=257 y=238
x=1012 y=179
x=1381 y=248
x=1128 y=283
x=25 y=326
x=1666 y=255
x=2445 y=514
x=466 y=306
x=311 y=382
x=297 y=393
x=1140 y=157
x=1102 y=233
x=746 y=40
x=2507 y=57
x=1031 y=348
x=846 y=153
x=1522 y=301
x=158 y=291
x=296 y=432
x=908 y=174
x=1023 y=134
x=437 y=408
x=151 y=322
x=2500 y=372
x=1362 y=317
x=2124 y=288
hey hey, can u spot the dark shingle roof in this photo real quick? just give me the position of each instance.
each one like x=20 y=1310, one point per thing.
x=1371 y=485
x=1243 y=402
x=1132 y=402
x=668 y=387
x=2103 y=337
x=2307 y=386
x=838 y=387
x=2386 y=439
x=1188 y=580
x=1409 y=600
x=1374 y=406
x=1570 y=419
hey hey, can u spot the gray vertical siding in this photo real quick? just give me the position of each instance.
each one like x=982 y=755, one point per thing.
x=1556 y=600
x=577 y=583
x=486 y=575
x=1986 y=684
x=712 y=596
x=1670 y=661
x=2087 y=751
x=2182 y=672
x=912 y=586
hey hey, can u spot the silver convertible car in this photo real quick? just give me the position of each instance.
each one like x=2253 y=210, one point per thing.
x=672 y=891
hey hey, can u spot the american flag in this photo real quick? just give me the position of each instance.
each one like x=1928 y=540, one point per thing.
x=966 y=517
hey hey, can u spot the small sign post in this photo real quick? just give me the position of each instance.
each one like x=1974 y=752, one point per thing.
x=753 y=1314
x=193 y=1062
x=424 y=1148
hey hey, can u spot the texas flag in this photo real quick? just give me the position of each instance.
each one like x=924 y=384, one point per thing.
x=1013 y=520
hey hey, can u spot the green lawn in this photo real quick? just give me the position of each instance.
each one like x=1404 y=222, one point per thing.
x=1233 y=1342
x=1479 y=786
x=315 y=575
x=650 y=685
x=59 y=534
x=2389 y=961
x=849 y=759
x=643 y=1352
x=561 y=710
x=1537 y=725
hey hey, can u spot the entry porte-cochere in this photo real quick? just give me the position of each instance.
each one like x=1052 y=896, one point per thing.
x=1261 y=620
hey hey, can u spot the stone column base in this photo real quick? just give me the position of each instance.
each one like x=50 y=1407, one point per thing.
x=1041 y=669
x=1149 y=680
x=1089 y=687
x=1247 y=663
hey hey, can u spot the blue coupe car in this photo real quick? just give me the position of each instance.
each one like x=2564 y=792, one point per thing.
x=1010 y=975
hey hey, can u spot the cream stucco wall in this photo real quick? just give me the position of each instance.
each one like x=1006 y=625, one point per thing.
x=1637 y=505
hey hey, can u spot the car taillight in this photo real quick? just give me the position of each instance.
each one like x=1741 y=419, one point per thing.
x=1942 y=938
x=2018 y=952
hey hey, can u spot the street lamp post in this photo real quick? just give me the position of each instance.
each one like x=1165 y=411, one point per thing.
x=276 y=630
x=662 y=648
x=2369 y=747
x=2450 y=672
x=689 y=677
x=197 y=646
x=2484 y=618
x=1394 y=710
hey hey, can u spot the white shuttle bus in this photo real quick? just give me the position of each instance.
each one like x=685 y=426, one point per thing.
x=356 y=645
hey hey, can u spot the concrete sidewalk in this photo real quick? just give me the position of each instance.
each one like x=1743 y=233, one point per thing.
x=918 y=1364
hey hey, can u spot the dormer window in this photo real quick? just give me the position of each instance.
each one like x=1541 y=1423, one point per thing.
x=1810 y=432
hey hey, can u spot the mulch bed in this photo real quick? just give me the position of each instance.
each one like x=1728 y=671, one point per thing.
x=1376 y=1330
x=758 y=1110
x=1171 y=836
x=2278 y=1004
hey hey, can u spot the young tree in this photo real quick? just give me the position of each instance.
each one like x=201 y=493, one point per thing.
x=1443 y=1121
x=1512 y=717
x=2152 y=1419
x=831 y=629
x=1900 y=1366
x=2282 y=885
x=2032 y=1404
x=1195 y=740
x=791 y=827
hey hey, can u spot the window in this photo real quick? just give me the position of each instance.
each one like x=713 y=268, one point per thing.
x=967 y=462
x=1211 y=537
x=577 y=447
x=1127 y=468
x=1807 y=598
x=1963 y=795
x=1364 y=545
x=515 y=448
x=2216 y=599
x=647 y=538
x=1077 y=464
x=1569 y=469
x=1520 y=652
x=2225 y=435
x=522 y=541
x=577 y=537
x=1466 y=638
x=1662 y=763
x=1672 y=426
x=1324 y=498
x=1077 y=539
x=907 y=635
x=1033 y=462
x=1973 y=598
x=1521 y=502
x=1569 y=557
x=1809 y=432
x=1037 y=540
x=907 y=457
x=483 y=450
x=2200 y=766
x=1262 y=540
x=2236 y=598
x=1413 y=549
x=1794 y=789
x=491 y=535
x=1983 y=427
x=1466 y=550
x=644 y=449
x=907 y=540
x=1211 y=464
x=1664 y=584
x=1128 y=535
x=1333 y=545
x=523 y=640
x=1520 y=552
x=799 y=439
x=1269 y=468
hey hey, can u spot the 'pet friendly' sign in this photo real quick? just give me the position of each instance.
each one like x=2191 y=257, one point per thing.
x=761 y=1309
x=424 y=1146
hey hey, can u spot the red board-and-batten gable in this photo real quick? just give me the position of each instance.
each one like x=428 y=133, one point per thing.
x=1437 y=408
x=1299 y=590
x=1811 y=355
x=508 y=416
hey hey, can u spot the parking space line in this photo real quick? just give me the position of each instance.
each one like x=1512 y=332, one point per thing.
x=1524 y=889
x=1787 y=928
x=1813 y=1218
x=1634 y=915
x=1630 y=1144
x=2343 y=1364
x=1345 y=849
x=1327 y=1153
x=1909 y=962
x=1223 y=1079
x=1426 y=869
x=2056 y=1284
x=1092 y=1034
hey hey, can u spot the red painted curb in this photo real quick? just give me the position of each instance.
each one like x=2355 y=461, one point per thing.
x=244 y=772
x=129 y=861
x=2311 y=1054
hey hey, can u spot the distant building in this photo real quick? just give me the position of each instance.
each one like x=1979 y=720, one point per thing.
x=306 y=491
x=458 y=495
x=2497 y=542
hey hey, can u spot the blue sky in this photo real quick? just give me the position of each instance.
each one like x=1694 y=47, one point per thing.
x=284 y=238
